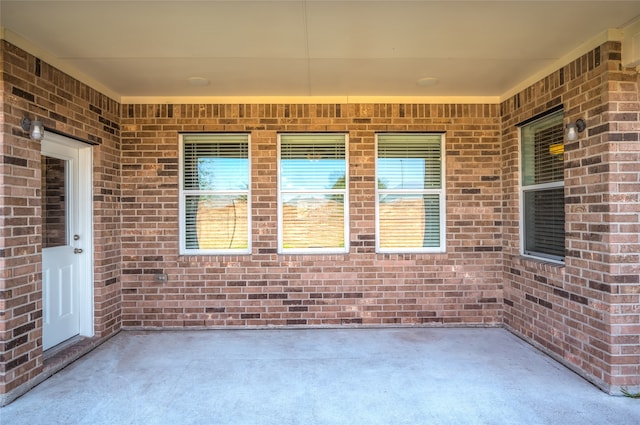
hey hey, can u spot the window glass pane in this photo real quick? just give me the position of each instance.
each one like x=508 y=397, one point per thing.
x=409 y=221
x=313 y=221
x=407 y=173
x=216 y=164
x=312 y=162
x=216 y=222
x=544 y=222
x=543 y=151
x=54 y=202
x=409 y=161
x=304 y=174
x=220 y=174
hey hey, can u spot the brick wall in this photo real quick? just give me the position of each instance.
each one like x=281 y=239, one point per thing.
x=32 y=88
x=585 y=314
x=463 y=286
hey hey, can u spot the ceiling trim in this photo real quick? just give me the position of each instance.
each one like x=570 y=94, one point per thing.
x=307 y=99
x=27 y=46
x=631 y=45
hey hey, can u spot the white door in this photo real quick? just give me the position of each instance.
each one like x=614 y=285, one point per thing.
x=66 y=240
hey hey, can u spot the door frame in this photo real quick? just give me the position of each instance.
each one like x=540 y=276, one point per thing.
x=83 y=190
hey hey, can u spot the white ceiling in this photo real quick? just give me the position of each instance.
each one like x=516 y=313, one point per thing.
x=147 y=50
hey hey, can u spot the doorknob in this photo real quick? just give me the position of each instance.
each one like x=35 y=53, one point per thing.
x=77 y=250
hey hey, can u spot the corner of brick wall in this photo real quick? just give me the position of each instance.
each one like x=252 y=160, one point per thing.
x=585 y=313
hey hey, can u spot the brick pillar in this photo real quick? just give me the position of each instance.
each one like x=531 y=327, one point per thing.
x=622 y=220
x=603 y=229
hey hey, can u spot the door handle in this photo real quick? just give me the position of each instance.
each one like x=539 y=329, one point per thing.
x=77 y=250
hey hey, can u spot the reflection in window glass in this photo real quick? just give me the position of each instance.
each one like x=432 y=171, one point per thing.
x=313 y=221
x=409 y=221
x=54 y=202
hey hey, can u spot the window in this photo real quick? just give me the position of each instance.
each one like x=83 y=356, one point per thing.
x=410 y=196
x=543 y=187
x=313 y=200
x=214 y=194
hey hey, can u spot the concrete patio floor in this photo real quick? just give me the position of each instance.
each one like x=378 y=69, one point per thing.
x=318 y=376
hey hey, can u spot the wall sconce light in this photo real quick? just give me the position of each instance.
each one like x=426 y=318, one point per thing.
x=35 y=128
x=574 y=128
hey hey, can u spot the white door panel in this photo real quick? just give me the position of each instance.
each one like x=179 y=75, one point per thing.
x=60 y=315
x=66 y=242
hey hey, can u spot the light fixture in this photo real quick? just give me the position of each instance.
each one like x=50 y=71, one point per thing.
x=427 y=81
x=574 y=128
x=35 y=128
x=198 y=81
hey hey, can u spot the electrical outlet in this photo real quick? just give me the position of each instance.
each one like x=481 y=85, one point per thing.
x=161 y=277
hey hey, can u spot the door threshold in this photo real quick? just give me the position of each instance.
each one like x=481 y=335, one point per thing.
x=50 y=352
x=65 y=353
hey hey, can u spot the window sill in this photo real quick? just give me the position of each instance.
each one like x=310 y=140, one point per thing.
x=539 y=263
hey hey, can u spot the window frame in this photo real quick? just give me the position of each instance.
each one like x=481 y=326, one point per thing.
x=441 y=192
x=183 y=250
x=536 y=187
x=345 y=192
